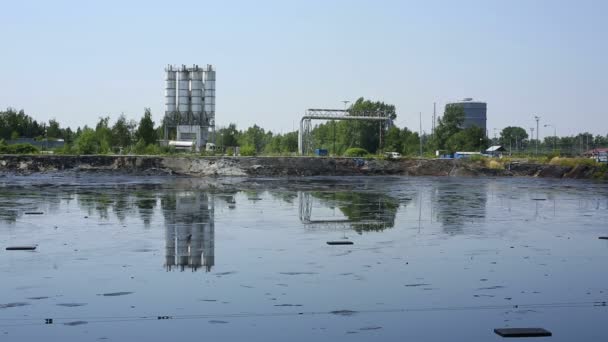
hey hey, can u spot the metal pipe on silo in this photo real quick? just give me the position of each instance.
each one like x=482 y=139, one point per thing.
x=196 y=92
x=183 y=92
x=170 y=92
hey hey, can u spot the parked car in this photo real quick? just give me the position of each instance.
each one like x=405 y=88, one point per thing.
x=392 y=155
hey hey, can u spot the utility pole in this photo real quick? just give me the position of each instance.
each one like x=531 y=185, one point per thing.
x=434 y=118
x=420 y=135
x=536 y=117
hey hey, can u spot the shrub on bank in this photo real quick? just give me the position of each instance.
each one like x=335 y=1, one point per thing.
x=355 y=152
x=572 y=162
x=247 y=151
x=18 y=148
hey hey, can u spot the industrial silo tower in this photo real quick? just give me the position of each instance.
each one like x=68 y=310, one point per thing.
x=189 y=106
x=475 y=113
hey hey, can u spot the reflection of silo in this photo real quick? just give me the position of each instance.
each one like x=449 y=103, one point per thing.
x=196 y=93
x=183 y=91
x=210 y=95
x=209 y=243
x=183 y=240
x=169 y=247
x=196 y=246
x=189 y=231
x=170 y=92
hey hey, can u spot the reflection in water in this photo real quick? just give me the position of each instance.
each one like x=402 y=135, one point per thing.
x=364 y=211
x=456 y=205
x=189 y=230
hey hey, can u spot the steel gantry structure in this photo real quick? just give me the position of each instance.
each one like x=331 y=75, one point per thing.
x=304 y=140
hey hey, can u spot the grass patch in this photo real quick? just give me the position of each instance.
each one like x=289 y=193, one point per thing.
x=572 y=162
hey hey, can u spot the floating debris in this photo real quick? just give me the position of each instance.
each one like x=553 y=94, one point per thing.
x=34 y=213
x=21 y=248
x=71 y=305
x=416 y=285
x=286 y=305
x=114 y=294
x=298 y=273
x=75 y=323
x=522 y=332
x=370 y=328
x=217 y=322
x=603 y=237
x=13 y=305
x=496 y=287
x=332 y=243
x=343 y=312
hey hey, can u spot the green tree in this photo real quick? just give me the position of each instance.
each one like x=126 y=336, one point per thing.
x=411 y=142
x=255 y=137
x=228 y=136
x=103 y=131
x=513 y=136
x=89 y=142
x=470 y=139
x=394 y=140
x=145 y=130
x=53 y=130
x=448 y=125
x=289 y=143
x=122 y=132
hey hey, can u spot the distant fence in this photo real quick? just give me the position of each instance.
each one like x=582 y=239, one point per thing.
x=42 y=144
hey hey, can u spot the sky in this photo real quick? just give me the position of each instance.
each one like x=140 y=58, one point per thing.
x=76 y=61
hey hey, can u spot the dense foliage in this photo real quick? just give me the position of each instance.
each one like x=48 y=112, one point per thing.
x=338 y=137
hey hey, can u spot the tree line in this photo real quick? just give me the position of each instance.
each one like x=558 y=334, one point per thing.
x=337 y=137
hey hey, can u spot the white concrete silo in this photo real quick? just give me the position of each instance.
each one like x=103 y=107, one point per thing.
x=183 y=91
x=170 y=90
x=210 y=95
x=196 y=92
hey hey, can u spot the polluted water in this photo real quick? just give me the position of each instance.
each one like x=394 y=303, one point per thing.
x=313 y=258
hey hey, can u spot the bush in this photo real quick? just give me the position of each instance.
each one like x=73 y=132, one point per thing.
x=572 y=162
x=355 y=152
x=494 y=164
x=248 y=151
x=18 y=148
x=89 y=142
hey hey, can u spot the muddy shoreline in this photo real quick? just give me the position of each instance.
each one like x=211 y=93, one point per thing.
x=280 y=166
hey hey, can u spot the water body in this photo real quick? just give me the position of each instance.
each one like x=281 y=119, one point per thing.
x=433 y=259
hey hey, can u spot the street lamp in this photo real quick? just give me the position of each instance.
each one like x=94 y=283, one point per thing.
x=536 y=117
x=554 y=134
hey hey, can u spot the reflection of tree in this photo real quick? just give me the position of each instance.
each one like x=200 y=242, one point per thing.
x=365 y=211
x=145 y=202
x=455 y=204
x=121 y=205
x=95 y=201
x=285 y=196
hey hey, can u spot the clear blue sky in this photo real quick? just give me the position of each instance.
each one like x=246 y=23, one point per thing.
x=76 y=61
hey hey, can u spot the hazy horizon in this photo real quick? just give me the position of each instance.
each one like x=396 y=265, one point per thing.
x=76 y=62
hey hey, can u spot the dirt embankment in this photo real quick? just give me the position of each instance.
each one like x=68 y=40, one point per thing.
x=280 y=166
